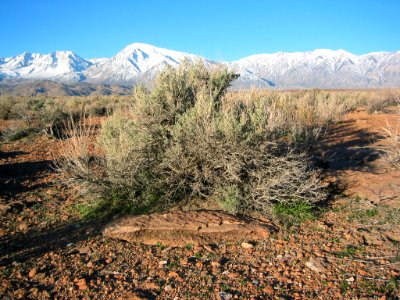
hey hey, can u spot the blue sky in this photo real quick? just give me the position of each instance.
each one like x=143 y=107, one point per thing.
x=217 y=29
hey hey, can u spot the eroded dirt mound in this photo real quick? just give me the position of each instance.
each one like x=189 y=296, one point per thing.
x=179 y=228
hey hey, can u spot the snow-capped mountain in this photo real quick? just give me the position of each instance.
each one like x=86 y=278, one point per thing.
x=141 y=62
x=135 y=61
x=63 y=66
x=324 y=69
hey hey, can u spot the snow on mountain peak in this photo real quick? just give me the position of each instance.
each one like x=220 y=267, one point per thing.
x=140 y=62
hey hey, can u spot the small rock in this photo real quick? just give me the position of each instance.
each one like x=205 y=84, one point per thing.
x=162 y=263
x=108 y=260
x=32 y=273
x=224 y=296
x=20 y=294
x=207 y=248
x=41 y=277
x=215 y=264
x=173 y=274
x=393 y=234
x=315 y=265
x=362 y=272
x=22 y=226
x=183 y=262
x=85 y=250
x=246 y=245
x=4 y=208
x=168 y=288
x=372 y=239
x=81 y=283
x=268 y=290
x=232 y=275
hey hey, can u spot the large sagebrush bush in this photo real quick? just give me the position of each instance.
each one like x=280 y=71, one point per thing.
x=184 y=140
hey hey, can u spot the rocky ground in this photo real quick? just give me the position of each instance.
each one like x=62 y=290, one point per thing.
x=351 y=251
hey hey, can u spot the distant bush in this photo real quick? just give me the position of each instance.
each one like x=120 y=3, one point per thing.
x=14 y=133
x=185 y=140
x=6 y=107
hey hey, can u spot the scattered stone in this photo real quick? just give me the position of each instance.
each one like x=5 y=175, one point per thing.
x=393 y=234
x=22 y=226
x=168 y=288
x=85 y=250
x=372 y=239
x=162 y=263
x=108 y=260
x=315 y=265
x=20 y=294
x=41 y=276
x=4 y=208
x=32 y=273
x=179 y=228
x=81 y=283
x=246 y=245
x=268 y=290
x=224 y=296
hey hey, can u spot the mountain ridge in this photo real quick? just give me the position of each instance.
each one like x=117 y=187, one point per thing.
x=139 y=62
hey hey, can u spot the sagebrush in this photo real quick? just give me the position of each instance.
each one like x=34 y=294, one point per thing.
x=186 y=139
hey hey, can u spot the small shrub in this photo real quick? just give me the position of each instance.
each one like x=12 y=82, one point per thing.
x=6 y=107
x=15 y=133
x=291 y=214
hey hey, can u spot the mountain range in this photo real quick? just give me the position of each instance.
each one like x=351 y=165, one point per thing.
x=139 y=63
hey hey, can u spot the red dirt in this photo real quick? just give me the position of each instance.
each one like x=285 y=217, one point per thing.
x=351 y=251
x=352 y=150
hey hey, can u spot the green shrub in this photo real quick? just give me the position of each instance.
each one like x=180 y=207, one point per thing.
x=292 y=214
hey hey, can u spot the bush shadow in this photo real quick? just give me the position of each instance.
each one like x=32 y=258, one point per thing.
x=13 y=175
x=35 y=242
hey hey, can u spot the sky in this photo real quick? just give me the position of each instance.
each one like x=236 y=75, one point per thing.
x=223 y=30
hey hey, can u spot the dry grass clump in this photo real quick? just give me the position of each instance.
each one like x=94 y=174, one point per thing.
x=391 y=149
x=379 y=102
x=185 y=140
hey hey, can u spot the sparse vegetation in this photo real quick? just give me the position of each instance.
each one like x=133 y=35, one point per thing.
x=48 y=115
x=220 y=149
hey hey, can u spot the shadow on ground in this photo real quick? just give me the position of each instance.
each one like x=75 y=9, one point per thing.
x=11 y=154
x=33 y=243
x=348 y=148
x=12 y=176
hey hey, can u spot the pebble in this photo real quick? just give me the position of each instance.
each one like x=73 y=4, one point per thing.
x=32 y=273
x=246 y=245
